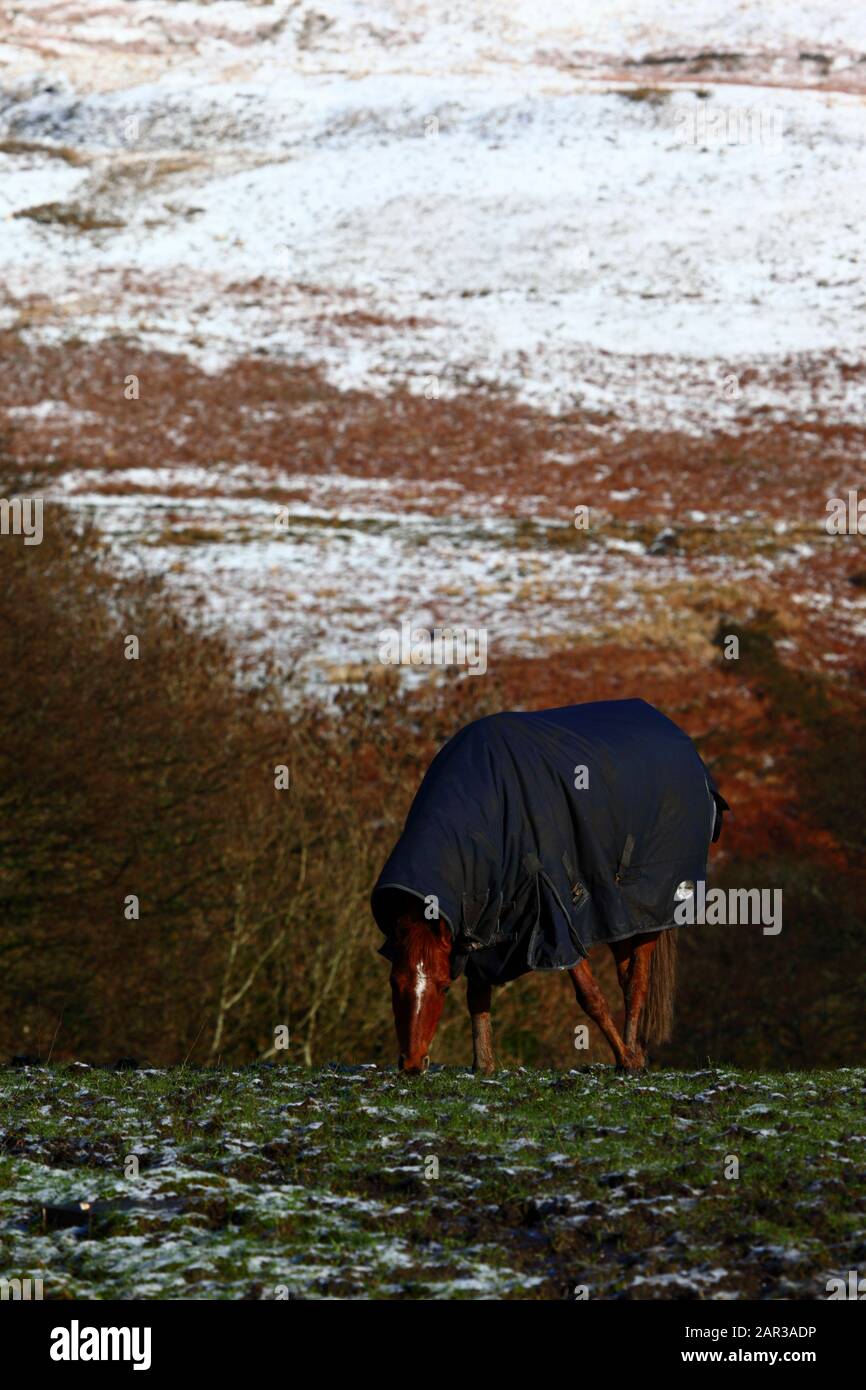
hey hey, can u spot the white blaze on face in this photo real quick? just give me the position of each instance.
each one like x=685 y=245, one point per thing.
x=420 y=985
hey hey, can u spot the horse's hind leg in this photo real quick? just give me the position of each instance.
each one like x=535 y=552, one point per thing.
x=591 y=999
x=633 y=958
x=478 y=1000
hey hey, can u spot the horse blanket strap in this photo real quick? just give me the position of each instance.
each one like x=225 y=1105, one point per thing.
x=625 y=858
x=577 y=888
x=542 y=834
x=720 y=806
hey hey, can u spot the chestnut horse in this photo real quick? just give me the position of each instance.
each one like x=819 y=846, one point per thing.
x=421 y=977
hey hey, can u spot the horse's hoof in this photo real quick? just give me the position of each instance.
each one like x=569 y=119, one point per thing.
x=634 y=1062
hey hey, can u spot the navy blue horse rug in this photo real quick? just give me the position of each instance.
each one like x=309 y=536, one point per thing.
x=538 y=835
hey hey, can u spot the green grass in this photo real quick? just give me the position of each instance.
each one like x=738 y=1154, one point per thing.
x=276 y=1181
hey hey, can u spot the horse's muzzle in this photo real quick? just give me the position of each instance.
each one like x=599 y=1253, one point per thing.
x=413 y=1069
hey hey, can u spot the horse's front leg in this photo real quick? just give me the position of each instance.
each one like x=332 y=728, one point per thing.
x=591 y=999
x=633 y=958
x=478 y=1000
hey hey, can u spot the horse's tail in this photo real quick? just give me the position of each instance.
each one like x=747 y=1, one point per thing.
x=658 y=1012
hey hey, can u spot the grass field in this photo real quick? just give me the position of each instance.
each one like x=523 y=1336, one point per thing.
x=277 y=1181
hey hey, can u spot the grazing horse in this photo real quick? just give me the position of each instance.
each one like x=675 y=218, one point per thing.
x=534 y=837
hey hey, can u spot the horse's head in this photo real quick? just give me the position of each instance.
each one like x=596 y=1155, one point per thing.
x=420 y=978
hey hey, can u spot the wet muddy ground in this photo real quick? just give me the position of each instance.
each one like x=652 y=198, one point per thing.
x=351 y=1182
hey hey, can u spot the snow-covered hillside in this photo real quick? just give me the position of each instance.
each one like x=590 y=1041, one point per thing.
x=650 y=214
